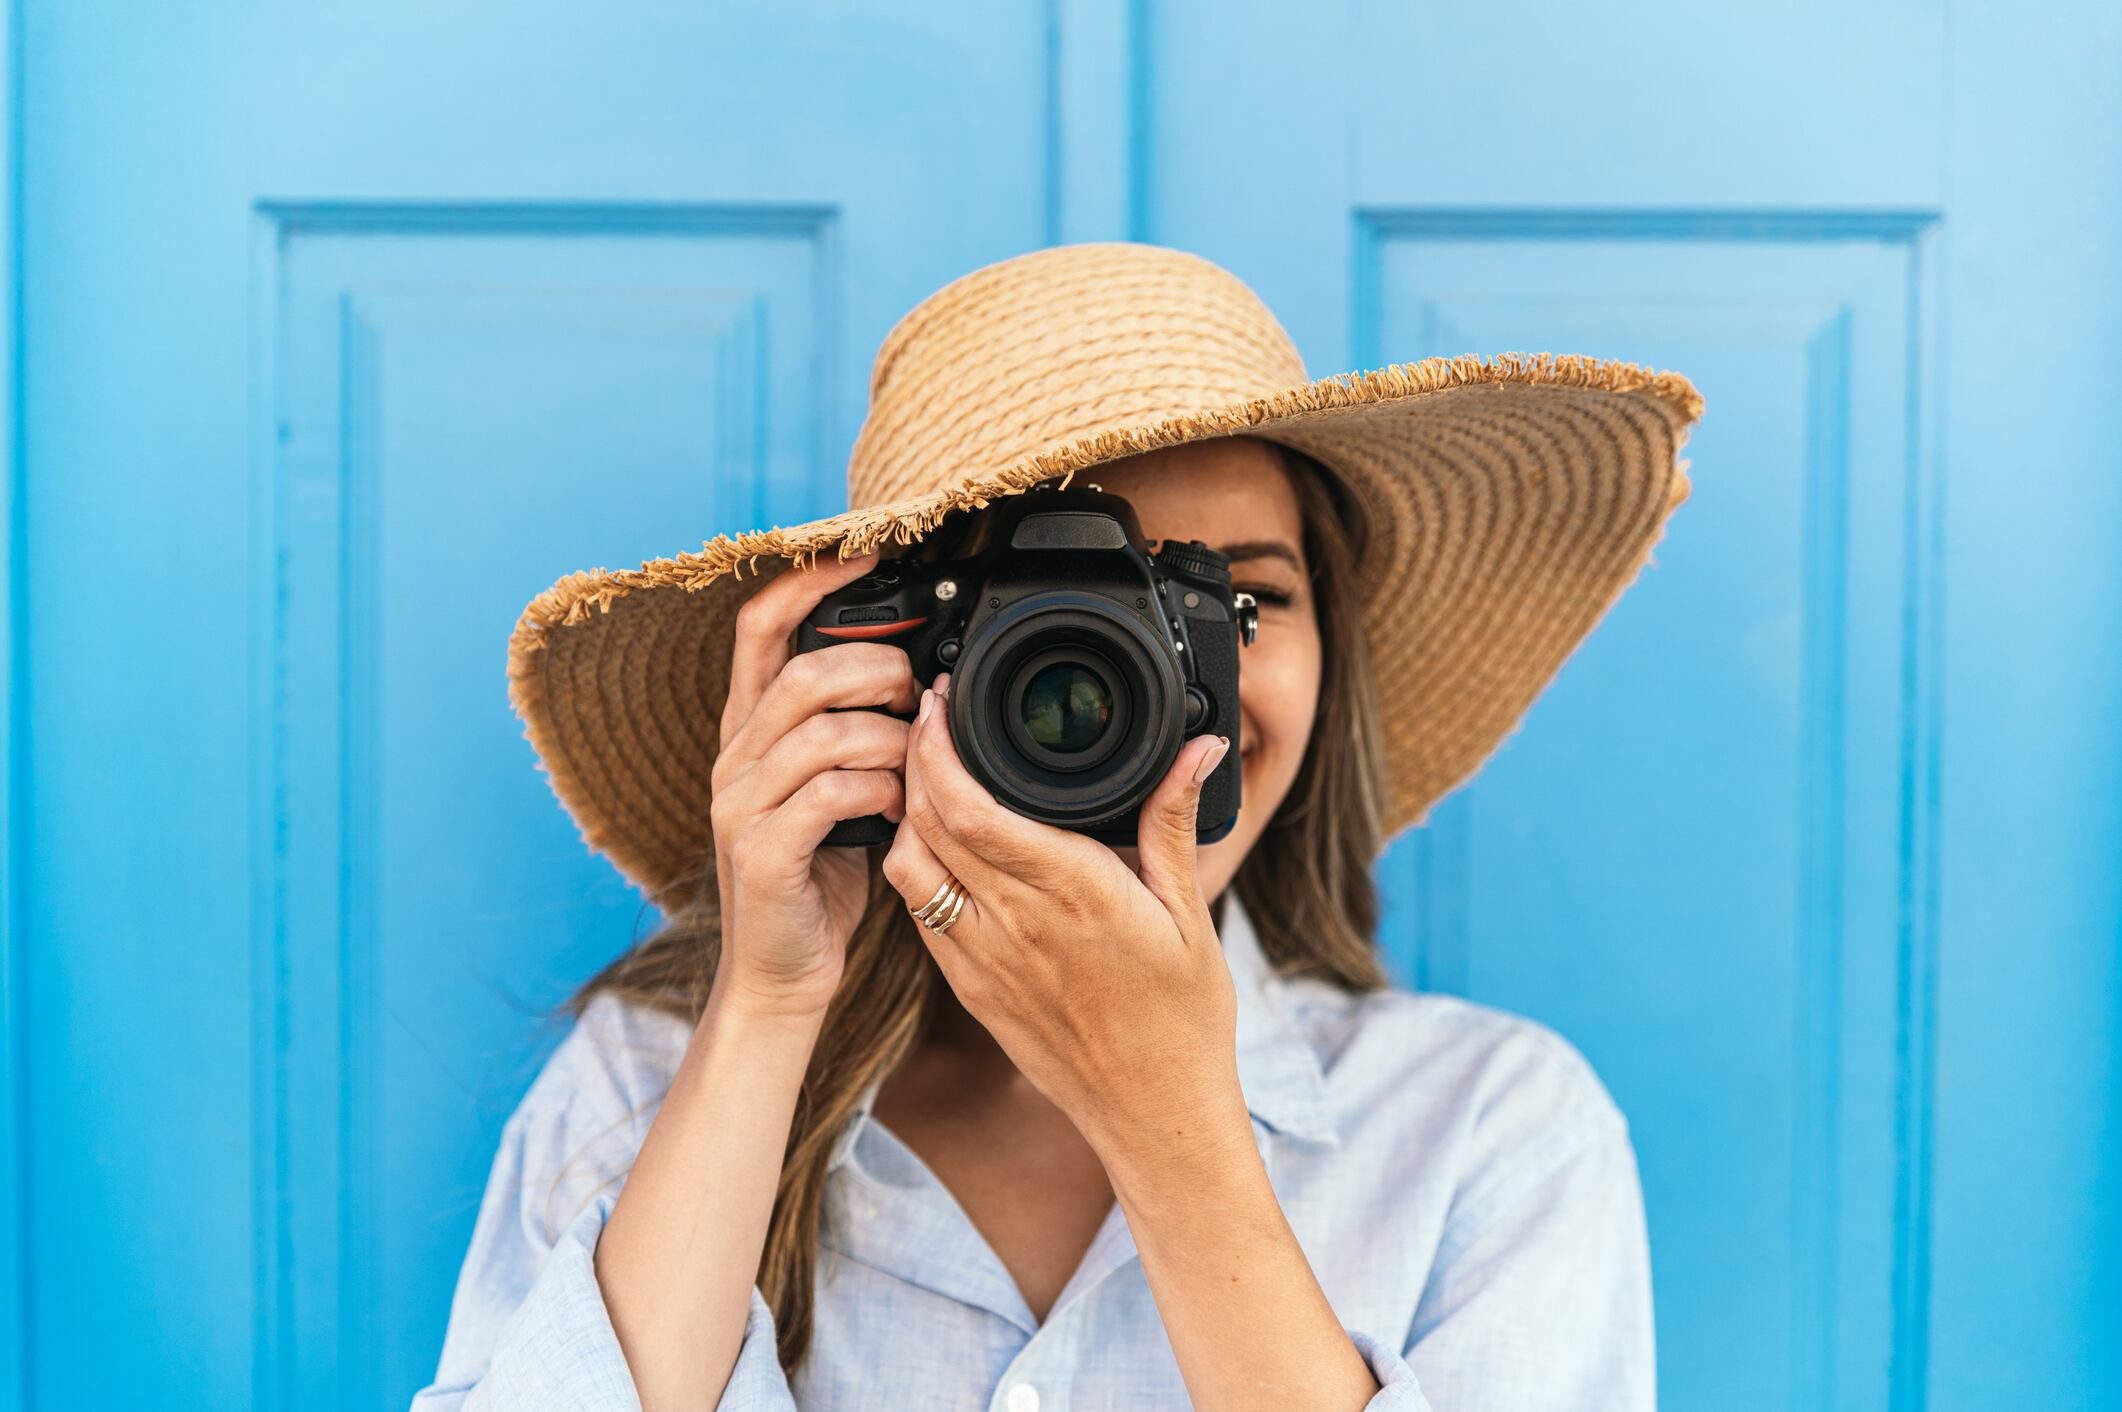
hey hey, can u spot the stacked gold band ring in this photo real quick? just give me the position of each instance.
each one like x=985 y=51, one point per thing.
x=940 y=911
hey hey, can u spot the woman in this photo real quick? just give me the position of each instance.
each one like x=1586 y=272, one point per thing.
x=1138 y=1127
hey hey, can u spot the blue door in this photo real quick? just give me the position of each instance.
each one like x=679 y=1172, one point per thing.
x=336 y=333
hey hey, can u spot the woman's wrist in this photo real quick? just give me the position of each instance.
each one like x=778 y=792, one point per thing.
x=736 y=1034
x=1189 y=1129
x=769 y=1036
x=736 y=999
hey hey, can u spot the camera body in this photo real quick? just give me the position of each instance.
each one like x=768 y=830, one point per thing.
x=1081 y=661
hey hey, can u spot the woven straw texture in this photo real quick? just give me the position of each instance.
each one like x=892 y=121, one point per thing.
x=1511 y=501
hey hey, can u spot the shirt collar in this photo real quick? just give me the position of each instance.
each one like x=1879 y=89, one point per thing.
x=1278 y=1070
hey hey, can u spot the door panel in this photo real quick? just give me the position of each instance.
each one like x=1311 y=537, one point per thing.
x=1716 y=854
x=463 y=395
x=354 y=330
x=1691 y=848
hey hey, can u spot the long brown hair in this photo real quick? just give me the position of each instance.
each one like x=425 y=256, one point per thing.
x=1306 y=884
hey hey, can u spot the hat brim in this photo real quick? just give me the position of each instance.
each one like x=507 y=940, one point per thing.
x=1511 y=502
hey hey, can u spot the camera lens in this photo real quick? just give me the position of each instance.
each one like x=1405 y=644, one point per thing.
x=1063 y=706
x=1066 y=707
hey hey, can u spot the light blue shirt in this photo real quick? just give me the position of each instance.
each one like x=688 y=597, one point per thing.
x=1460 y=1181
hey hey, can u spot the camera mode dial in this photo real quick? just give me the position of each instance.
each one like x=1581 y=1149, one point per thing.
x=1193 y=559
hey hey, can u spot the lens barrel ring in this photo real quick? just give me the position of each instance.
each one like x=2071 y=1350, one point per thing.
x=1027 y=691
x=1144 y=678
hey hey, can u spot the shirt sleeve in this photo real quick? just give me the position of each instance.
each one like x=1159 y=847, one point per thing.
x=1397 y=1391
x=1537 y=1290
x=528 y=1329
x=1540 y=1293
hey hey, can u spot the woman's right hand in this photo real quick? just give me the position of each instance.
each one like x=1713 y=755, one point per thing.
x=788 y=769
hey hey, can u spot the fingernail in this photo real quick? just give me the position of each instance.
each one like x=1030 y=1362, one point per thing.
x=928 y=699
x=1213 y=758
x=943 y=683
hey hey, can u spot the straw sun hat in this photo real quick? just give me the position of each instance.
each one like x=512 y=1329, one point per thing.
x=1510 y=502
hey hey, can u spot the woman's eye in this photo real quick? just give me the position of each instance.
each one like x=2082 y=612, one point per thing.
x=1265 y=596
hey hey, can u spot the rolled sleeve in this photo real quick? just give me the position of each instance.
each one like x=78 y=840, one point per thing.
x=528 y=1329
x=1397 y=1391
x=757 y=1383
x=558 y=1350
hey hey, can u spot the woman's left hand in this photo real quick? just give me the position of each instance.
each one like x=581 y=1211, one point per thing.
x=1109 y=991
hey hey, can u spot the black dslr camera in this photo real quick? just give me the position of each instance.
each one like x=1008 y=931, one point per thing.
x=1080 y=661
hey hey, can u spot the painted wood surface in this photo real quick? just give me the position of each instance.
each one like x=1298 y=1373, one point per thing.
x=333 y=335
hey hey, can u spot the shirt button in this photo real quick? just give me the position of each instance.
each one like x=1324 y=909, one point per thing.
x=1024 y=1398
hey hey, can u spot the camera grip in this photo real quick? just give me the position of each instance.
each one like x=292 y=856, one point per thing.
x=818 y=632
x=869 y=831
x=1215 y=643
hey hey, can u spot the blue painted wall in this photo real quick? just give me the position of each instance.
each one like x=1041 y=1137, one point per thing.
x=331 y=336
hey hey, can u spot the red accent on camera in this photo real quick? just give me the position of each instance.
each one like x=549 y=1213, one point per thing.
x=865 y=630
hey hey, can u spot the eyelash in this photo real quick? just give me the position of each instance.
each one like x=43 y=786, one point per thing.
x=1267 y=597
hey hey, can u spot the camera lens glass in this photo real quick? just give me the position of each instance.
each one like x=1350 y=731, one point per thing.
x=1066 y=707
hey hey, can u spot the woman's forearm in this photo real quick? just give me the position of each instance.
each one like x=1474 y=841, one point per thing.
x=679 y=1257
x=1248 y=1323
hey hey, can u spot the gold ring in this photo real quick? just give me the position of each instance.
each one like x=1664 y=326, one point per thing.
x=941 y=900
x=950 y=914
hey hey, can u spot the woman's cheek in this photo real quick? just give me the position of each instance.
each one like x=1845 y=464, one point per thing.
x=1278 y=692
x=1279 y=688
